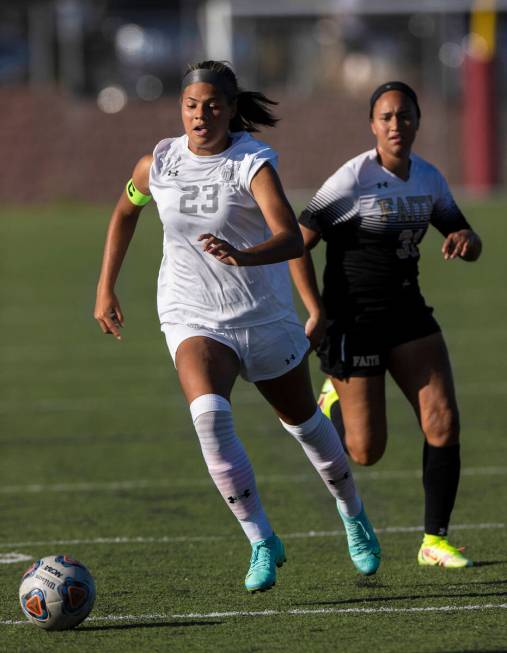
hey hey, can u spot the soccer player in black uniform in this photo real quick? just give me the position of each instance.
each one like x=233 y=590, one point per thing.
x=371 y=318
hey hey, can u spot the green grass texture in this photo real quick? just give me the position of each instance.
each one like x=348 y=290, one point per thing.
x=98 y=459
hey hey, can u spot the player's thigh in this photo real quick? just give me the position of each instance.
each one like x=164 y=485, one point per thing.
x=422 y=370
x=206 y=366
x=291 y=394
x=363 y=406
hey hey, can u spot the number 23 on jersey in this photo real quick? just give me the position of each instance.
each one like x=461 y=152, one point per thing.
x=199 y=199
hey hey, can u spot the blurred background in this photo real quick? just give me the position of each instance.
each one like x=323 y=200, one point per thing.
x=88 y=86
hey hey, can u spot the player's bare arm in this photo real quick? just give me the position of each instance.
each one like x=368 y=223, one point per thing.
x=285 y=243
x=464 y=244
x=305 y=280
x=108 y=312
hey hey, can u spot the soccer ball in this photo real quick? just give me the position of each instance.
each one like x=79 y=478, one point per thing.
x=57 y=592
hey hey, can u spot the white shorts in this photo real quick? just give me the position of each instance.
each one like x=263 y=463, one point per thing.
x=266 y=351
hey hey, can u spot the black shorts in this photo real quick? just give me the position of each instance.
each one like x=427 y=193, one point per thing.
x=360 y=347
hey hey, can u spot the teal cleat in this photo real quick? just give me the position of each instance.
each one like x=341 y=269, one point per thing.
x=266 y=556
x=364 y=548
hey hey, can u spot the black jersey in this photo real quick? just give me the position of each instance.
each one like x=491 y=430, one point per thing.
x=373 y=222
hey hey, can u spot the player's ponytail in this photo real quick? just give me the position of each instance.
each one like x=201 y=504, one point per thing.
x=252 y=110
x=252 y=106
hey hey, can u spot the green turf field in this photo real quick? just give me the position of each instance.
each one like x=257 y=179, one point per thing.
x=99 y=460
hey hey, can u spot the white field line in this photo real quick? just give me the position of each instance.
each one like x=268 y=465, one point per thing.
x=292 y=612
x=13 y=557
x=168 y=539
x=140 y=484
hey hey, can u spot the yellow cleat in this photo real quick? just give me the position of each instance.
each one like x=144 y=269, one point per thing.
x=436 y=551
x=327 y=397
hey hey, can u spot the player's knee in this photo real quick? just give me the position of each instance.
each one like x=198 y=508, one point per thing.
x=441 y=426
x=366 y=454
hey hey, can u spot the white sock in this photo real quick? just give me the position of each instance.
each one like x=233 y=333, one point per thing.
x=228 y=464
x=324 y=449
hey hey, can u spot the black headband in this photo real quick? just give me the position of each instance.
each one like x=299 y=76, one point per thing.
x=394 y=86
x=209 y=77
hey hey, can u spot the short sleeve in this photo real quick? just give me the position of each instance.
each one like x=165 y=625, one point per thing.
x=254 y=162
x=334 y=203
x=446 y=215
x=161 y=152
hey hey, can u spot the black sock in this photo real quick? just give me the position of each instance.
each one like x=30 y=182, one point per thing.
x=441 y=468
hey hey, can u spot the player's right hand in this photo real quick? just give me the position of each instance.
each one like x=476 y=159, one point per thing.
x=109 y=315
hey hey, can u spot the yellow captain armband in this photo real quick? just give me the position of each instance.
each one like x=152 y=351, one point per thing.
x=135 y=196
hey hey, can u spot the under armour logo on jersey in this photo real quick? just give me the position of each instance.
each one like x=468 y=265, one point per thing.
x=171 y=165
x=382 y=183
x=291 y=358
x=245 y=495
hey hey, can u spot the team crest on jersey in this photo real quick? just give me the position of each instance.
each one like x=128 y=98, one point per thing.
x=229 y=171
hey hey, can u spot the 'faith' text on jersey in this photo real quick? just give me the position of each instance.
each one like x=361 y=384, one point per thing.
x=414 y=208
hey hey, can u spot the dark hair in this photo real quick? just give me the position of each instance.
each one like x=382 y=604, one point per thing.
x=252 y=109
x=394 y=86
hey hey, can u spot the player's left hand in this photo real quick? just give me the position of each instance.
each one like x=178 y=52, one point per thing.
x=315 y=329
x=222 y=250
x=464 y=244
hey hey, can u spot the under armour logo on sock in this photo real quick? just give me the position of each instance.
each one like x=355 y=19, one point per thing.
x=382 y=183
x=343 y=478
x=291 y=358
x=245 y=495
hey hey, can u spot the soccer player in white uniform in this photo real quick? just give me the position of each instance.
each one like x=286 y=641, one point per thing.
x=225 y=304
x=373 y=212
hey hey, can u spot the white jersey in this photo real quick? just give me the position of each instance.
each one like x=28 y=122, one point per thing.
x=211 y=194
